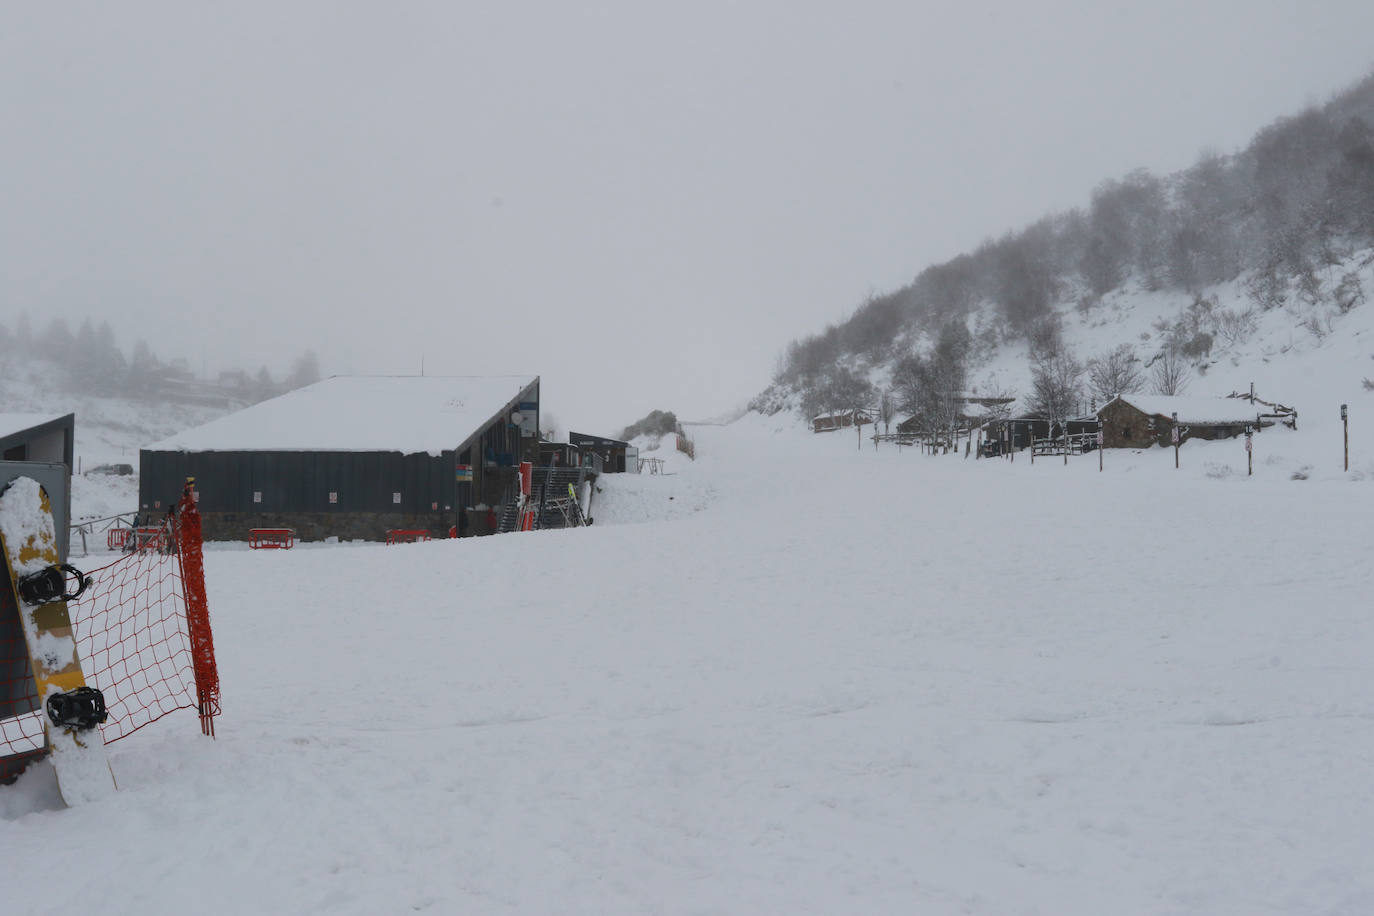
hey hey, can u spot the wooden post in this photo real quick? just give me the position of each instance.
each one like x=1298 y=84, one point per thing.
x=1100 y=441
x=1345 y=430
x=1175 y=435
x=1249 y=453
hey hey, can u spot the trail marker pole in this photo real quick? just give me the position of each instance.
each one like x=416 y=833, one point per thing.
x=1249 y=452
x=1100 y=439
x=1175 y=437
x=1345 y=429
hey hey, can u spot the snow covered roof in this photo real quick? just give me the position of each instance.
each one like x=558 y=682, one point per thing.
x=1194 y=410
x=406 y=414
x=12 y=423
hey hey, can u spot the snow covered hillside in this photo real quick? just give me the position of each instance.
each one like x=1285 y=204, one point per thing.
x=810 y=678
x=1315 y=351
x=109 y=430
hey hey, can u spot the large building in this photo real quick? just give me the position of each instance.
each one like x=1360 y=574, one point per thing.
x=353 y=457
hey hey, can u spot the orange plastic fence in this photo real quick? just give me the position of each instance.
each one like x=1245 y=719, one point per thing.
x=134 y=640
x=271 y=538
x=197 y=608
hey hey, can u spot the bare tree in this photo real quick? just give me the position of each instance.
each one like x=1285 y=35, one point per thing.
x=931 y=387
x=1056 y=385
x=887 y=409
x=1170 y=374
x=838 y=390
x=1117 y=372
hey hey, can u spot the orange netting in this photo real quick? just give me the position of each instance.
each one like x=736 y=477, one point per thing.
x=136 y=641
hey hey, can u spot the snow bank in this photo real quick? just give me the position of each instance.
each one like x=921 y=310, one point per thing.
x=847 y=681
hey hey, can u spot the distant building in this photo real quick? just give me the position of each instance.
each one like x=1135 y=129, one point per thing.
x=1140 y=421
x=973 y=410
x=353 y=457
x=844 y=419
x=616 y=457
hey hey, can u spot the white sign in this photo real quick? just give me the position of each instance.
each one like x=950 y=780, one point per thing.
x=1247 y=443
x=1099 y=438
x=257 y=496
x=1174 y=435
x=396 y=498
x=333 y=497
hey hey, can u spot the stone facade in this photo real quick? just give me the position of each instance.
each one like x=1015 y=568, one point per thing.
x=1125 y=426
x=317 y=526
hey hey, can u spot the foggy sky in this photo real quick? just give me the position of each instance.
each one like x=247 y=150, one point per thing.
x=643 y=203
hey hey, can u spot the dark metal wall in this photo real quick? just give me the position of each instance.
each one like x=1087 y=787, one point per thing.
x=299 y=483
x=285 y=482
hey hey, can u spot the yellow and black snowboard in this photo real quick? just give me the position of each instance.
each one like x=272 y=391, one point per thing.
x=72 y=711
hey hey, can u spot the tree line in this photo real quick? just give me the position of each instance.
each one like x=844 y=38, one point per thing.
x=1283 y=212
x=90 y=361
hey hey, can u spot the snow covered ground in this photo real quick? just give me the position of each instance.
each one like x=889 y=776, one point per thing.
x=795 y=676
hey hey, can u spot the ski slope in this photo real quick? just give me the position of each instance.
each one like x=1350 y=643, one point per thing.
x=794 y=676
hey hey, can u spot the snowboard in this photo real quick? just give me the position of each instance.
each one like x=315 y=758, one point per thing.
x=72 y=711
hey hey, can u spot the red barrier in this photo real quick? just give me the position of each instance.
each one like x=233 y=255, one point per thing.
x=118 y=538
x=155 y=539
x=406 y=535
x=271 y=538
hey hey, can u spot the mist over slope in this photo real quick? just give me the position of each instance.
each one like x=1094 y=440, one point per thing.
x=1237 y=261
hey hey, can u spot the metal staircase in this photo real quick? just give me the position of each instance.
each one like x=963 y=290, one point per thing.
x=553 y=499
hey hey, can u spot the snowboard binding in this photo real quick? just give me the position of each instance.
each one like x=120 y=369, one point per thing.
x=81 y=708
x=50 y=584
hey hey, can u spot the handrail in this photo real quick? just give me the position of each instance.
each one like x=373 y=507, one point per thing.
x=122 y=521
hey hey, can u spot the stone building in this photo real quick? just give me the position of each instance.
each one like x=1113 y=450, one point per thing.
x=1140 y=421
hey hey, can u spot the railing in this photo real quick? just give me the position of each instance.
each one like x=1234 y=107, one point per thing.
x=118 y=529
x=1073 y=444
